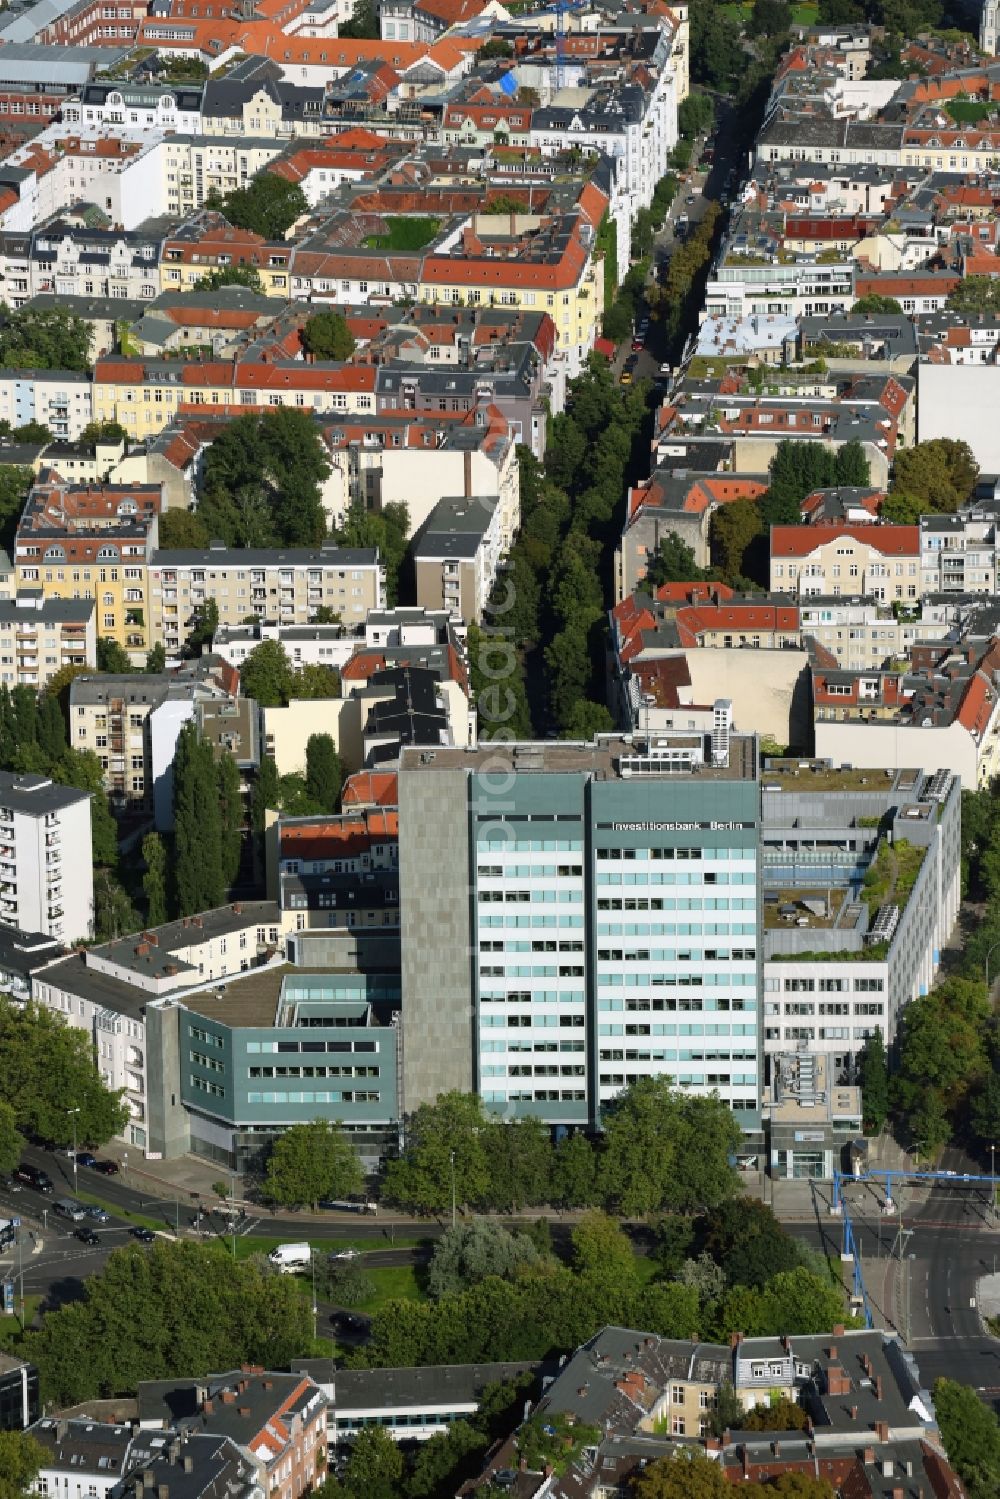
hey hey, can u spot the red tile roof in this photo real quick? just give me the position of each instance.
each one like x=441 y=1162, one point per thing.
x=800 y=541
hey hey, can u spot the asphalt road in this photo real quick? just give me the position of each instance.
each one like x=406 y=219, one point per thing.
x=950 y=1244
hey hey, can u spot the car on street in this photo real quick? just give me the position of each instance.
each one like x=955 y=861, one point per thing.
x=86 y=1236
x=144 y=1235
x=86 y=1158
x=33 y=1176
x=689 y=199
x=107 y=1168
x=345 y=1254
x=97 y=1213
x=10 y=1184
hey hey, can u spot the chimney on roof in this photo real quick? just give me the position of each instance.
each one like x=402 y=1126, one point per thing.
x=869 y=1457
x=878 y=1387
x=208 y=1407
x=735 y=1339
x=243 y=1410
x=882 y=1430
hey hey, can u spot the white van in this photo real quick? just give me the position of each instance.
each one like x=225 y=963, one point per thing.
x=291 y=1257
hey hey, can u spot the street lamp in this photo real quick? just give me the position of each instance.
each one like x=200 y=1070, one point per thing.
x=993 y=1179
x=74 y=1113
x=451 y=1157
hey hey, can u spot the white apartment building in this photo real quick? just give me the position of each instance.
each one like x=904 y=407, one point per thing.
x=737 y=288
x=46 y=863
x=59 y=399
x=136 y=107
x=861 y=633
x=105 y=991
x=277 y=587
x=305 y=645
x=958 y=553
x=39 y=636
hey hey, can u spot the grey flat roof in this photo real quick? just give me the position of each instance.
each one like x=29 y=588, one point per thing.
x=402 y=1389
x=37 y=795
x=152 y=951
x=51 y=612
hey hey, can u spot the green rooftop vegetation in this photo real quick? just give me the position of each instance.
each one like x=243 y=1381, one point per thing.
x=404 y=234
x=965 y=111
x=892 y=875
x=554 y=1440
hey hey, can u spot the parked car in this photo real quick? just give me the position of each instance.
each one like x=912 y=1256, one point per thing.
x=107 y=1168
x=85 y=1158
x=97 y=1213
x=144 y=1235
x=86 y=1236
x=625 y=378
x=345 y=1254
x=10 y=1184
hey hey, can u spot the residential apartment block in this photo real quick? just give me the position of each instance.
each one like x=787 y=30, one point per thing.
x=283 y=587
x=456 y=556
x=39 y=636
x=46 y=868
x=83 y=542
x=107 y=992
x=878 y=561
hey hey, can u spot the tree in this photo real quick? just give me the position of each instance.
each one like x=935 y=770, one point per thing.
x=102 y=432
x=154 y=881
x=667 y=1148
x=262 y=480
x=876 y=304
x=198 y=860
x=170 y=1310
x=11 y=1139
x=268 y=206
x=778 y=1415
x=387 y=529
x=15 y=482
x=327 y=336
x=112 y=657
x=231 y=814
x=82 y=769
x=363 y=24
x=942 y=1055
x=445 y=1460
x=311 y=1162
x=313 y=680
x=685 y=1474
x=574 y=1173
x=674 y=562
x=975 y=294
x=734 y=528
x=156 y=659
x=46 y=1064
x=375 y=1465
x=266 y=675
x=984 y=1110
x=21 y=1457
x=971 y=1436
x=183 y=530
x=114 y=914
x=51 y=728
x=231 y=275
x=695 y=115
x=445 y=1142
x=266 y=794
x=603 y=1251
x=49 y=340
x=705 y=1276
x=770 y=18
x=940 y=475
x=520 y=1164
x=874 y=1077
x=469 y=1252
x=586 y=719
x=749 y=1243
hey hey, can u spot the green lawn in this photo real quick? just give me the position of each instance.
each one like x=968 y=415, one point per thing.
x=393 y=1282
x=10 y=1326
x=404 y=234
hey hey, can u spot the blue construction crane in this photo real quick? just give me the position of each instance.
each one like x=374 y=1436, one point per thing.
x=561 y=7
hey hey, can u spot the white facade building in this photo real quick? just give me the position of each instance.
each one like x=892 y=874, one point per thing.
x=46 y=861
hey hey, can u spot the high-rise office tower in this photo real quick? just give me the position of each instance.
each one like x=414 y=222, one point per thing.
x=578 y=916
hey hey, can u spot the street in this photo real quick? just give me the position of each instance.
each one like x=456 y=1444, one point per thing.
x=949 y=1244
